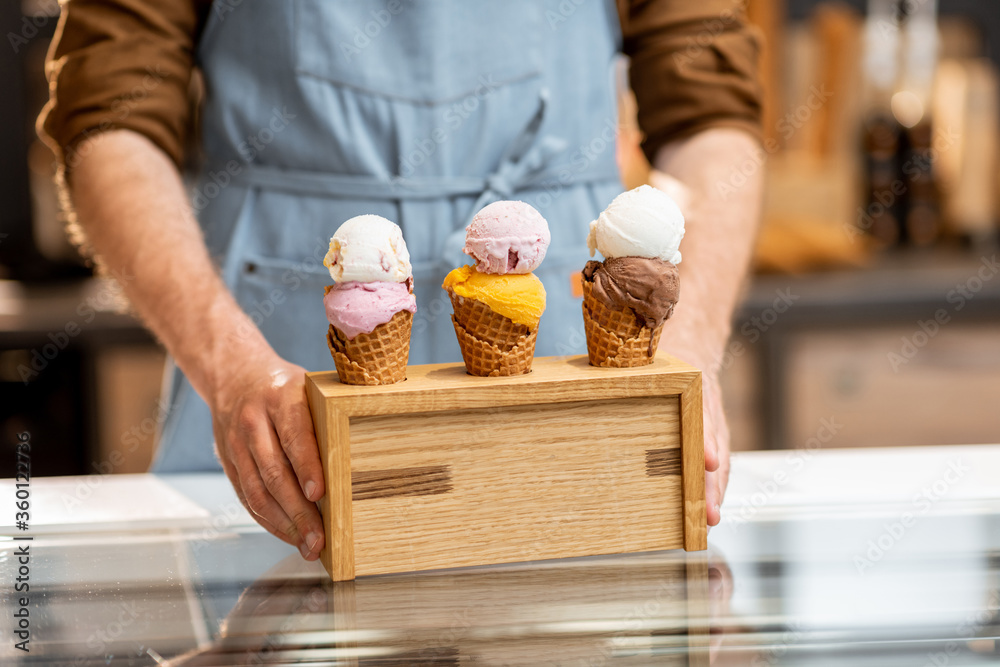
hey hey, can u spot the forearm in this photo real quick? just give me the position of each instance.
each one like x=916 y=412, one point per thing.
x=129 y=199
x=721 y=225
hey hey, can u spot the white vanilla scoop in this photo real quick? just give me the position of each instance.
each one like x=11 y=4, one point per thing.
x=368 y=248
x=644 y=222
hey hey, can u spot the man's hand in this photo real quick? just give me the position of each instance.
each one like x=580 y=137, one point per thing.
x=129 y=198
x=716 y=447
x=265 y=441
x=720 y=197
x=715 y=428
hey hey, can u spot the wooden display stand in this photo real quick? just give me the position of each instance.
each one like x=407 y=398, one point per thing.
x=448 y=470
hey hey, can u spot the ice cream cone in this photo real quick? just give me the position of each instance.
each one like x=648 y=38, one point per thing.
x=491 y=343
x=498 y=301
x=615 y=338
x=373 y=358
x=480 y=321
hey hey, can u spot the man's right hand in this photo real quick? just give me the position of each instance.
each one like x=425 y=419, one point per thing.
x=130 y=200
x=265 y=441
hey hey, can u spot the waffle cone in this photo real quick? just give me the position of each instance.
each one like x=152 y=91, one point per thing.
x=491 y=344
x=480 y=321
x=374 y=358
x=615 y=338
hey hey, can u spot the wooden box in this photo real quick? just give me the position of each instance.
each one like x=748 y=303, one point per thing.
x=447 y=470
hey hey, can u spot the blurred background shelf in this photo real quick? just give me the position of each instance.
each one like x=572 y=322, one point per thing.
x=828 y=355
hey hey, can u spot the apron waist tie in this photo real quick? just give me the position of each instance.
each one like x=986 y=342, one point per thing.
x=524 y=165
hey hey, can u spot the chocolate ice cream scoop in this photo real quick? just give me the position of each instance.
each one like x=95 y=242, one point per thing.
x=649 y=287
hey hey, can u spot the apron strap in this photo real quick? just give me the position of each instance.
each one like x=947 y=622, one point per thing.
x=324 y=184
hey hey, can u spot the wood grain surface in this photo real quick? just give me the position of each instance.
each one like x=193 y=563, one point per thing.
x=331 y=435
x=552 y=380
x=417 y=481
x=693 y=464
x=663 y=462
x=529 y=482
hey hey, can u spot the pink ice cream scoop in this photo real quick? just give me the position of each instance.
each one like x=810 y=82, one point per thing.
x=507 y=237
x=356 y=307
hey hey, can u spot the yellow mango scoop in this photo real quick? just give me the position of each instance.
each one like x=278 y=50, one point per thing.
x=517 y=296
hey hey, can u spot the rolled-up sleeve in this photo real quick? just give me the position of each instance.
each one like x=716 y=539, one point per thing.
x=693 y=67
x=121 y=64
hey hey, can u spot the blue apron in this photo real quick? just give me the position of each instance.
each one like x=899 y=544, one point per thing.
x=421 y=112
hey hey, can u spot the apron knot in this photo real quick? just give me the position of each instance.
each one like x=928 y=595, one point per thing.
x=525 y=157
x=499 y=184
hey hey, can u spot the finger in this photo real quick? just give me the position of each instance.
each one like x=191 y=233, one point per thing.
x=264 y=508
x=234 y=478
x=713 y=498
x=298 y=440
x=281 y=484
x=723 y=478
x=253 y=429
x=711 y=447
x=712 y=456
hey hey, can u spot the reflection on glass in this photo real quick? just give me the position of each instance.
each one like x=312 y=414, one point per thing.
x=808 y=588
x=624 y=610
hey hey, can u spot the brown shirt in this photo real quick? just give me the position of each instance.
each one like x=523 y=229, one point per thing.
x=128 y=64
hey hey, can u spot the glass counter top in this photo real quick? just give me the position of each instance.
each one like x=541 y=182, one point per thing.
x=882 y=557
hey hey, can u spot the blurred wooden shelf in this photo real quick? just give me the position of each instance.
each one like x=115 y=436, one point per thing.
x=900 y=285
